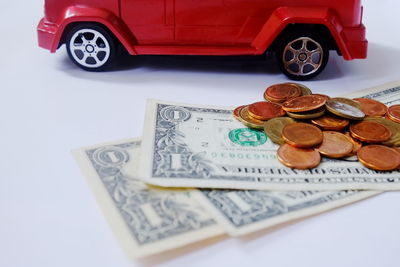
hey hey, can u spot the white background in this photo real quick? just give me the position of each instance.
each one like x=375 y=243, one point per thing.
x=48 y=106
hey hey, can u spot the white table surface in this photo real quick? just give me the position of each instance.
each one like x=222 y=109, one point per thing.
x=49 y=216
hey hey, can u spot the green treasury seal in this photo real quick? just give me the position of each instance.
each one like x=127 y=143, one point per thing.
x=247 y=137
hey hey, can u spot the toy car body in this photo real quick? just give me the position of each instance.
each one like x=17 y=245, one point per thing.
x=300 y=32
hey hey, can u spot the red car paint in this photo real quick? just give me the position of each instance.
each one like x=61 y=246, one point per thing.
x=206 y=27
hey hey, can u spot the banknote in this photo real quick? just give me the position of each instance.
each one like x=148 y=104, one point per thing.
x=202 y=146
x=146 y=220
x=242 y=212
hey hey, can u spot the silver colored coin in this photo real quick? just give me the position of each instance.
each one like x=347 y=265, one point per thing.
x=344 y=110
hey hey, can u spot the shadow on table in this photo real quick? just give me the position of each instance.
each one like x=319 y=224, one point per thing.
x=381 y=60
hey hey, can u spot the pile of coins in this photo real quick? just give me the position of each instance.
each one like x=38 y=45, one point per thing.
x=307 y=125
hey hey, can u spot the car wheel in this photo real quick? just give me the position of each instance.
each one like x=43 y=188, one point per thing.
x=90 y=47
x=302 y=56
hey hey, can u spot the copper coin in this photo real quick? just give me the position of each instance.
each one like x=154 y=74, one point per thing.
x=335 y=145
x=236 y=112
x=370 y=132
x=344 y=109
x=302 y=135
x=281 y=92
x=398 y=151
x=265 y=110
x=372 y=107
x=378 y=157
x=392 y=126
x=356 y=144
x=325 y=96
x=394 y=113
x=330 y=122
x=304 y=103
x=299 y=158
x=304 y=89
x=247 y=120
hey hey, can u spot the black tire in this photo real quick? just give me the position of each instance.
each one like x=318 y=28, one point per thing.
x=302 y=55
x=91 y=47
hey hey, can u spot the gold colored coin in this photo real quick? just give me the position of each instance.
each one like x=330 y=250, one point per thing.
x=370 y=132
x=379 y=157
x=306 y=115
x=330 y=122
x=335 y=145
x=343 y=109
x=394 y=113
x=304 y=103
x=298 y=158
x=392 y=126
x=265 y=110
x=281 y=92
x=372 y=107
x=302 y=135
x=248 y=121
x=273 y=128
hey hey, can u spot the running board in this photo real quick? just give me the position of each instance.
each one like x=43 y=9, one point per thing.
x=196 y=50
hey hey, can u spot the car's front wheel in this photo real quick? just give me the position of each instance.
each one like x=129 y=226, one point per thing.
x=302 y=56
x=90 y=47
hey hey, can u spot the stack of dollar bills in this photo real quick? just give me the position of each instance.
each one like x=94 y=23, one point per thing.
x=197 y=173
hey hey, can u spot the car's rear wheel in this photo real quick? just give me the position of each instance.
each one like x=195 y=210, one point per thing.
x=302 y=56
x=91 y=47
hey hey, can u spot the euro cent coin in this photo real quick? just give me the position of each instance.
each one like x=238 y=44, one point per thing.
x=307 y=115
x=335 y=145
x=265 y=110
x=250 y=122
x=344 y=110
x=325 y=96
x=304 y=89
x=371 y=107
x=331 y=122
x=304 y=103
x=302 y=135
x=273 y=128
x=392 y=126
x=379 y=157
x=298 y=158
x=370 y=132
x=281 y=92
x=394 y=113
x=356 y=144
x=236 y=112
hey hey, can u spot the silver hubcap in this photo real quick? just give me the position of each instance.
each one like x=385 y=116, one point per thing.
x=302 y=56
x=89 y=48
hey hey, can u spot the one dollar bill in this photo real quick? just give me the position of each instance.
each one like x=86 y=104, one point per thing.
x=245 y=211
x=202 y=146
x=146 y=220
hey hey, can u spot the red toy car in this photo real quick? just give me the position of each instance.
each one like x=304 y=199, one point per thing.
x=300 y=32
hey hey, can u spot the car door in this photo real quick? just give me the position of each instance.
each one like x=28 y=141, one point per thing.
x=219 y=22
x=150 y=21
x=203 y=22
x=250 y=16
